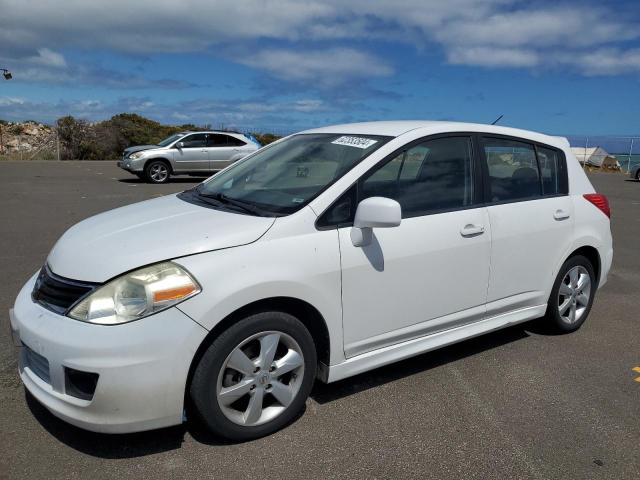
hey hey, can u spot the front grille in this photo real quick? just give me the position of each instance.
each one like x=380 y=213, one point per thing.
x=36 y=363
x=57 y=293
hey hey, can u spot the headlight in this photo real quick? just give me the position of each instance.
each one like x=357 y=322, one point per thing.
x=135 y=155
x=137 y=295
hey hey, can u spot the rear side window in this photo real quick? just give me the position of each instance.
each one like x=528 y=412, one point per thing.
x=426 y=178
x=550 y=167
x=513 y=170
x=234 y=142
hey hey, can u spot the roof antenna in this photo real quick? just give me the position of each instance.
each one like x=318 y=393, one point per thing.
x=497 y=120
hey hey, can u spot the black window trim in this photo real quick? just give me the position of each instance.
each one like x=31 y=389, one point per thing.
x=562 y=168
x=479 y=169
x=478 y=187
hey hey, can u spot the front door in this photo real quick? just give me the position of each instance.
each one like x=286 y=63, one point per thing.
x=431 y=272
x=193 y=156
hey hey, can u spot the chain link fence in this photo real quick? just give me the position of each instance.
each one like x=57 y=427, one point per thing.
x=606 y=152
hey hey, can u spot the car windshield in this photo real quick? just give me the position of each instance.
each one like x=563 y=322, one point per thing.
x=170 y=140
x=285 y=176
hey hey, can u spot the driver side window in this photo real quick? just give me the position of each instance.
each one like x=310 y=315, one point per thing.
x=195 y=141
x=429 y=177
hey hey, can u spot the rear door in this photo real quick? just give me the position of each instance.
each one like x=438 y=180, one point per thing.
x=431 y=272
x=222 y=149
x=193 y=156
x=531 y=219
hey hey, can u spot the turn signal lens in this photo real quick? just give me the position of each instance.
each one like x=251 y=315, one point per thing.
x=600 y=201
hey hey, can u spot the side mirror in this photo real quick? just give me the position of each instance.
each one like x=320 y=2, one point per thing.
x=180 y=145
x=374 y=212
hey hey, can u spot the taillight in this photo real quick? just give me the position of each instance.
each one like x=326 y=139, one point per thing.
x=599 y=201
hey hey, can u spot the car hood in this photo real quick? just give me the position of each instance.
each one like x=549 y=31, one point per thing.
x=138 y=148
x=108 y=244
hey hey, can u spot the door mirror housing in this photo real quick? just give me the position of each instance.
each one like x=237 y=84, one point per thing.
x=374 y=212
x=180 y=145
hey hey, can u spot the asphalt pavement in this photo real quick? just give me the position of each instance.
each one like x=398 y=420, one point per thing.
x=516 y=404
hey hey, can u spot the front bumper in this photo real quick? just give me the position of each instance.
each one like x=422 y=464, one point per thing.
x=142 y=365
x=130 y=165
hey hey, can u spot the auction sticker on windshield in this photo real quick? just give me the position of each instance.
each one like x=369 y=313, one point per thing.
x=357 y=142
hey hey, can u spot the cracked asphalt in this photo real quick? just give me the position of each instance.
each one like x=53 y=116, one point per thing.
x=520 y=403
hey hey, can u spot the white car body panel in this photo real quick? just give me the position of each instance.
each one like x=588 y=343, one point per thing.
x=410 y=276
x=136 y=235
x=417 y=287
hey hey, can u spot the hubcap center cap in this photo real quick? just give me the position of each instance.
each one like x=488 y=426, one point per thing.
x=264 y=378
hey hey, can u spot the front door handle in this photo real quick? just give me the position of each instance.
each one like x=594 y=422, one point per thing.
x=471 y=230
x=561 y=215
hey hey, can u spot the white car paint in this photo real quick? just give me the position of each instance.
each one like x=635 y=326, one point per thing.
x=137 y=235
x=416 y=287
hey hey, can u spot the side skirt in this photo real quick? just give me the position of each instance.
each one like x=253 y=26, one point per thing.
x=400 y=351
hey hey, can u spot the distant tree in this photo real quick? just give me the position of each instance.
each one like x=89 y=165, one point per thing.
x=266 y=138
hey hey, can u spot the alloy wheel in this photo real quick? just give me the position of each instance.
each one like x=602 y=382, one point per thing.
x=260 y=378
x=574 y=294
x=158 y=172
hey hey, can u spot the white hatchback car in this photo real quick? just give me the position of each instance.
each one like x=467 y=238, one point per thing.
x=325 y=254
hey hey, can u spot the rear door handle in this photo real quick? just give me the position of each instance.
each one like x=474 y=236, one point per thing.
x=561 y=215
x=471 y=230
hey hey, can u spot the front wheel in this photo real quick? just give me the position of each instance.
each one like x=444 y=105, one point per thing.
x=572 y=294
x=157 y=171
x=255 y=377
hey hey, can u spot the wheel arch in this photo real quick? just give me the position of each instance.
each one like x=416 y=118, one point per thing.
x=302 y=310
x=591 y=253
x=158 y=159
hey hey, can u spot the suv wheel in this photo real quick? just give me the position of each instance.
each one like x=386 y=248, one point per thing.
x=255 y=377
x=572 y=294
x=157 y=171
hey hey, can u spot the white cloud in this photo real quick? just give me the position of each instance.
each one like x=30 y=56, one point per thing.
x=326 y=67
x=48 y=58
x=490 y=33
x=493 y=57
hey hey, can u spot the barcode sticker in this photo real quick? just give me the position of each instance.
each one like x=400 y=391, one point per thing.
x=357 y=142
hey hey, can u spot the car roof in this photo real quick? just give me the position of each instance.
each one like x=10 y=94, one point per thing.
x=397 y=128
x=226 y=132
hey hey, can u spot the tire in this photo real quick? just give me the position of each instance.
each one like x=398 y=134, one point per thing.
x=239 y=404
x=157 y=171
x=638 y=175
x=572 y=295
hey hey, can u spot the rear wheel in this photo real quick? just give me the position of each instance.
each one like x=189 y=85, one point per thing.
x=255 y=377
x=572 y=295
x=638 y=175
x=157 y=171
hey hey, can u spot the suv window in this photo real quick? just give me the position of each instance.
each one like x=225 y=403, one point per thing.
x=512 y=168
x=220 y=140
x=234 y=142
x=196 y=140
x=432 y=176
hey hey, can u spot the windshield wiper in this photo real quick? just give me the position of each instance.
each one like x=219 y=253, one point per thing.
x=246 y=206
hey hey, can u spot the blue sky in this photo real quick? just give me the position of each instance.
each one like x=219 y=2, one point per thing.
x=567 y=67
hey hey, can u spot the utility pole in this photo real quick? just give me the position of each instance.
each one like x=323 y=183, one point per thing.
x=628 y=163
x=57 y=145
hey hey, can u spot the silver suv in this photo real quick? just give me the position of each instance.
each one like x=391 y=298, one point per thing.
x=187 y=153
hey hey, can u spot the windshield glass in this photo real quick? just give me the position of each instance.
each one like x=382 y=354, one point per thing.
x=171 y=139
x=285 y=176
